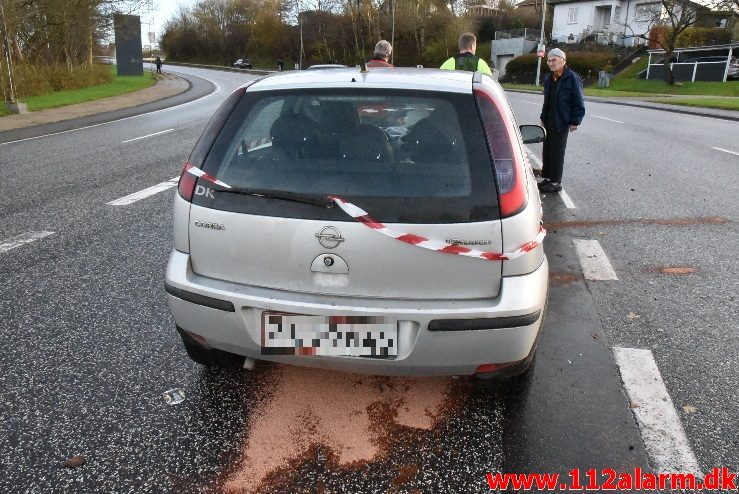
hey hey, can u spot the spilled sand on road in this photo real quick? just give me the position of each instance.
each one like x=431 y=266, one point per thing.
x=344 y=417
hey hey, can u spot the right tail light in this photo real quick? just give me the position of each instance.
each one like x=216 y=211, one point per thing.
x=509 y=168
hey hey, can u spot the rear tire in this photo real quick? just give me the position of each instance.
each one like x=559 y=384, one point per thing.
x=516 y=384
x=209 y=357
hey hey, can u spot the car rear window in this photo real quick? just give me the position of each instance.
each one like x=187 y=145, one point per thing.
x=402 y=156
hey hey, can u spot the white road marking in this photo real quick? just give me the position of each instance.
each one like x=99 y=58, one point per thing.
x=726 y=151
x=150 y=135
x=25 y=238
x=534 y=157
x=217 y=90
x=530 y=102
x=609 y=119
x=142 y=194
x=593 y=261
x=659 y=423
x=566 y=199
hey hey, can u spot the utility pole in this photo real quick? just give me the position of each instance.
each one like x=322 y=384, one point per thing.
x=300 y=22
x=541 y=40
x=392 y=42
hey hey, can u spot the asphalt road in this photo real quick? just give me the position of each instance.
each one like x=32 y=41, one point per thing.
x=656 y=190
x=89 y=347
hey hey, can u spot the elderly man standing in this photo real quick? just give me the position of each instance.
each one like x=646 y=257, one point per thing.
x=466 y=59
x=562 y=113
x=383 y=50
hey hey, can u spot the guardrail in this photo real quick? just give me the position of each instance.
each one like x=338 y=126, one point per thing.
x=220 y=67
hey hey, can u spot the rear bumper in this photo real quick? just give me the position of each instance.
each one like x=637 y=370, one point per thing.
x=203 y=306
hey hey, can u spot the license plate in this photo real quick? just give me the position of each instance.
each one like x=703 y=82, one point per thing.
x=352 y=336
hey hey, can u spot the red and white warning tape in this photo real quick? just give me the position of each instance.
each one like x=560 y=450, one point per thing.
x=362 y=216
x=200 y=173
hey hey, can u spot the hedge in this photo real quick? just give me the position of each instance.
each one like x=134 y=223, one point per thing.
x=523 y=69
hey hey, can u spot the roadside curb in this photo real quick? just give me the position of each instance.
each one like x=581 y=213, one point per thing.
x=651 y=106
x=225 y=69
x=167 y=86
x=196 y=88
x=670 y=108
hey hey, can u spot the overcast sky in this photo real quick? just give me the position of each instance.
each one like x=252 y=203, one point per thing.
x=163 y=11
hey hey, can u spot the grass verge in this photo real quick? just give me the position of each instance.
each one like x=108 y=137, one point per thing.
x=730 y=88
x=718 y=103
x=119 y=85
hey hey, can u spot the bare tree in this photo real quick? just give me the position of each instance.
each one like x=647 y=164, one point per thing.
x=665 y=20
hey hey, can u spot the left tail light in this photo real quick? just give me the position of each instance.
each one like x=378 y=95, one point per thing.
x=186 y=185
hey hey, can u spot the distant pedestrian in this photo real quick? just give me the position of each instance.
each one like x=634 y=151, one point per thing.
x=158 y=63
x=280 y=64
x=562 y=113
x=381 y=56
x=466 y=59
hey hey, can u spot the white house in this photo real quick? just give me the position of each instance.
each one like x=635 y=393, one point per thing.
x=610 y=21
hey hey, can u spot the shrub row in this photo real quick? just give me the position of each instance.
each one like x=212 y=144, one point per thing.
x=692 y=36
x=704 y=36
x=33 y=80
x=523 y=69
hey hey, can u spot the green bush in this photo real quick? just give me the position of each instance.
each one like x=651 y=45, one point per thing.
x=587 y=64
x=703 y=36
x=33 y=80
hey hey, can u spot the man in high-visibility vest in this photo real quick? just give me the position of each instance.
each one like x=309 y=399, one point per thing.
x=467 y=60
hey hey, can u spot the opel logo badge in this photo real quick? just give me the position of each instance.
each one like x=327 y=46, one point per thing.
x=329 y=237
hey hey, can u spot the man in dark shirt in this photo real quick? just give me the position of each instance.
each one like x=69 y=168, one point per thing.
x=562 y=113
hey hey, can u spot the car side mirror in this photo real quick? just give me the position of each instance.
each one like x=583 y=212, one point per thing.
x=532 y=133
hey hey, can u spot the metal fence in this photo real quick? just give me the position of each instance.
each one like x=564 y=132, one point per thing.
x=525 y=33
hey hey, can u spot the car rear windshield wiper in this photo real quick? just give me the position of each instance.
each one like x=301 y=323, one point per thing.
x=285 y=196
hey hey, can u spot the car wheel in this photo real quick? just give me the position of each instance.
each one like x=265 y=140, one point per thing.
x=209 y=357
x=515 y=384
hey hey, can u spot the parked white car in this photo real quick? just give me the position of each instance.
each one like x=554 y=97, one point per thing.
x=305 y=233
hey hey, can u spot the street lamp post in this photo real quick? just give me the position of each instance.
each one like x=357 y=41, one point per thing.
x=541 y=40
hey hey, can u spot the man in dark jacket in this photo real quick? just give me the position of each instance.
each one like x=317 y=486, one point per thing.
x=562 y=113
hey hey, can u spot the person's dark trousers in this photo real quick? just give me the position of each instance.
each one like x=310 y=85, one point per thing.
x=553 y=154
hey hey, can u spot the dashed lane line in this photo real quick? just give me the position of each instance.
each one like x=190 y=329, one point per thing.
x=660 y=426
x=149 y=135
x=143 y=194
x=534 y=157
x=566 y=199
x=727 y=151
x=609 y=119
x=593 y=261
x=25 y=238
x=562 y=194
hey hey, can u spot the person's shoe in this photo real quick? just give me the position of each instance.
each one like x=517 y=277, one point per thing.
x=550 y=187
x=541 y=183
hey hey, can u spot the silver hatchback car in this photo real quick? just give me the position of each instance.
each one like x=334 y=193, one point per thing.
x=383 y=222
